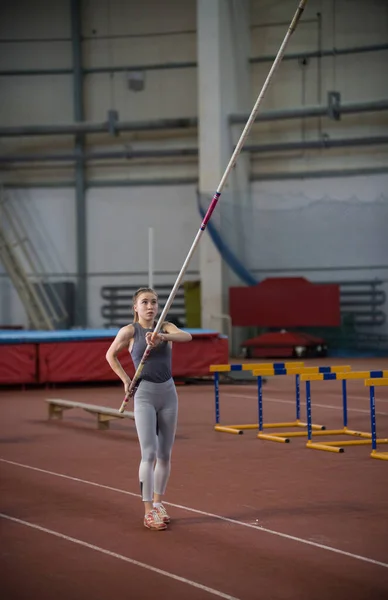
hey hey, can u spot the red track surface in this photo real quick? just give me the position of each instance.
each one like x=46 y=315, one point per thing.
x=235 y=495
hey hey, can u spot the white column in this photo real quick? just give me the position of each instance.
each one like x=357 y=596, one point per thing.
x=150 y=257
x=223 y=87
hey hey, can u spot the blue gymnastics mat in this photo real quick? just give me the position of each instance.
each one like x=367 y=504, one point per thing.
x=73 y=335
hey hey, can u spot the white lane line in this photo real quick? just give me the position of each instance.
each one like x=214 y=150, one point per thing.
x=210 y=515
x=62 y=536
x=336 y=394
x=366 y=398
x=331 y=406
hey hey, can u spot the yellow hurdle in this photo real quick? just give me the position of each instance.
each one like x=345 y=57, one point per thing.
x=372 y=383
x=269 y=366
x=268 y=369
x=378 y=382
x=226 y=429
x=220 y=368
x=297 y=371
x=344 y=376
x=260 y=370
x=226 y=368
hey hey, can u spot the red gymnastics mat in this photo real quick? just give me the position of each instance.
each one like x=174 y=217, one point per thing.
x=79 y=356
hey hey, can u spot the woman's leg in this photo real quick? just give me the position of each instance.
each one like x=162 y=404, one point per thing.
x=167 y=422
x=145 y=421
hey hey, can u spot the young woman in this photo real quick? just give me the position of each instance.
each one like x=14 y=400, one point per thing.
x=156 y=401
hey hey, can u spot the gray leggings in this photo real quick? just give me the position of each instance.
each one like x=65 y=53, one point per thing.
x=156 y=413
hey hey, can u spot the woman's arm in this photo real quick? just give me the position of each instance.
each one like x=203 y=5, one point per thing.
x=174 y=334
x=120 y=342
x=171 y=334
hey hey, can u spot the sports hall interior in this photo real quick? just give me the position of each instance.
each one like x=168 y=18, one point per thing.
x=232 y=156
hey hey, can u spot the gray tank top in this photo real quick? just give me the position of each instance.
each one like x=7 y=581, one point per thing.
x=158 y=365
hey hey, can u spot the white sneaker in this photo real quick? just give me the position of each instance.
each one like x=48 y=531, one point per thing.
x=152 y=520
x=163 y=513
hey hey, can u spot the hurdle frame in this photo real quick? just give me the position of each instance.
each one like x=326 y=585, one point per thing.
x=297 y=371
x=338 y=446
x=267 y=370
x=226 y=368
x=372 y=383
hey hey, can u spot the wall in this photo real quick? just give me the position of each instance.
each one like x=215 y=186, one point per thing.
x=118 y=221
x=358 y=78
x=321 y=223
x=170 y=211
x=145 y=35
x=331 y=228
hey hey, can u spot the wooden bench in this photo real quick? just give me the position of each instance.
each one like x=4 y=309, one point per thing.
x=57 y=406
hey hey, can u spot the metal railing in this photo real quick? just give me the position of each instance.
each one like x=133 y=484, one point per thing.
x=117 y=308
x=22 y=263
